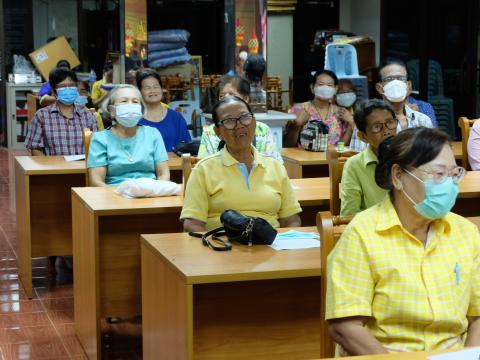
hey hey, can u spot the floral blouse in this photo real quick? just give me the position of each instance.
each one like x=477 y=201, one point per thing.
x=336 y=126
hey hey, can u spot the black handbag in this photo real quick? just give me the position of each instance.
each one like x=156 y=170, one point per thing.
x=246 y=230
x=187 y=147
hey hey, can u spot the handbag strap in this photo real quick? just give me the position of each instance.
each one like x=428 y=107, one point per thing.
x=224 y=245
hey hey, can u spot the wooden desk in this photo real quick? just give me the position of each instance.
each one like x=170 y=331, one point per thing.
x=240 y=304
x=309 y=164
x=106 y=229
x=43 y=201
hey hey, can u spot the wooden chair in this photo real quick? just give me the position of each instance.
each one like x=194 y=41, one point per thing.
x=465 y=125
x=176 y=88
x=86 y=136
x=274 y=93
x=336 y=160
x=326 y=224
x=188 y=162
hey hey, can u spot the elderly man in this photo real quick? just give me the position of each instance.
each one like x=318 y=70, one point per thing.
x=394 y=86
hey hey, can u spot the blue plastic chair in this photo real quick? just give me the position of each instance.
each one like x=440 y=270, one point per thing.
x=341 y=59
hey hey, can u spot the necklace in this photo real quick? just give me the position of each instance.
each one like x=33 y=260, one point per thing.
x=317 y=110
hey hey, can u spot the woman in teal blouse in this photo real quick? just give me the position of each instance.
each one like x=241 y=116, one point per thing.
x=126 y=150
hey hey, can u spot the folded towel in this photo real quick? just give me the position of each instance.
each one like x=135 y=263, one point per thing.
x=143 y=187
x=165 y=54
x=169 y=36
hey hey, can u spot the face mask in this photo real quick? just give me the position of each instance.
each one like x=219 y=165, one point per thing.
x=128 y=115
x=346 y=99
x=395 y=91
x=81 y=100
x=439 y=198
x=324 y=92
x=67 y=95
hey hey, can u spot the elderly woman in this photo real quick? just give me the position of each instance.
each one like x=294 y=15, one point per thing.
x=238 y=177
x=170 y=123
x=263 y=141
x=324 y=85
x=405 y=274
x=126 y=150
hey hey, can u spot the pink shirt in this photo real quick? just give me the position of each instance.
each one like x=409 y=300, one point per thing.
x=336 y=126
x=473 y=146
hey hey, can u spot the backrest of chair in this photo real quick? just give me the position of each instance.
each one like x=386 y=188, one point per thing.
x=274 y=92
x=86 y=136
x=188 y=162
x=465 y=124
x=341 y=59
x=326 y=224
x=32 y=106
x=336 y=160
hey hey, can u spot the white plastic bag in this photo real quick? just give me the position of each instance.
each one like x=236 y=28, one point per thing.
x=143 y=187
x=21 y=65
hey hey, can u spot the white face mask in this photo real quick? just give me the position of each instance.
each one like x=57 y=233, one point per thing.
x=128 y=115
x=324 y=92
x=395 y=91
x=346 y=99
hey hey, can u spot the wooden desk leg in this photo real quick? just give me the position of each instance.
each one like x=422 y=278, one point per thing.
x=24 y=248
x=294 y=169
x=167 y=322
x=86 y=284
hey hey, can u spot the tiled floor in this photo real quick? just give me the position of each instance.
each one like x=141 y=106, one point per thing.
x=43 y=328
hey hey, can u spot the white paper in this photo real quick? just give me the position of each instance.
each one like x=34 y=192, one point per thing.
x=292 y=240
x=74 y=157
x=466 y=354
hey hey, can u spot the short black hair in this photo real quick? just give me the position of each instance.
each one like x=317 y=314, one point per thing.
x=313 y=79
x=145 y=73
x=389 y=62
x=254 y=67
x=409 y=149
x=238 y=82
x=63 y=63
x=108 y=66
x=57 y=75
x=224 y=101
x=365 y=107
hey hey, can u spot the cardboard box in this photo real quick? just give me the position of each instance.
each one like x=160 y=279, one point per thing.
x=46 y=57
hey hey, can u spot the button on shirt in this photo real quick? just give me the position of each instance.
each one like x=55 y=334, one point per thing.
x=219 y=182
x=414 y=119
x=359 y=191
x=417 y=297
x=58 y=135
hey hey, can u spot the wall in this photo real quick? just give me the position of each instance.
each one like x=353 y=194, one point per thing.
x=280 y=48
x=362 y=18
x=55 y=18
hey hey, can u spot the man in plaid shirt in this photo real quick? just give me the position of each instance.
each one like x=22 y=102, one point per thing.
x=57 y=129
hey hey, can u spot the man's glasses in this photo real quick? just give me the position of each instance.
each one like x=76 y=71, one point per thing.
x=387 y=79
x=378 y=127
x=231 y=123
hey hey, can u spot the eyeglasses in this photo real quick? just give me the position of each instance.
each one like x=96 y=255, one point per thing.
x=387 y=79
x=378 y=127
x=231 y=123
x=440 y=173
x=148 y=88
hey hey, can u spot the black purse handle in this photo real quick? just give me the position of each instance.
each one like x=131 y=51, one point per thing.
x=215 y=233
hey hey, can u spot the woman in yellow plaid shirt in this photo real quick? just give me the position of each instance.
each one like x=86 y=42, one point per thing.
x=405 y=275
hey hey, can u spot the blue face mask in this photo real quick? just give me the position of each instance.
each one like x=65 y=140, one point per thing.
x=67 y=95
x=439 y=197
x=81 y=100
x=128 y=115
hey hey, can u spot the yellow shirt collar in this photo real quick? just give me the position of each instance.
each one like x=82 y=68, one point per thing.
x=229 y=160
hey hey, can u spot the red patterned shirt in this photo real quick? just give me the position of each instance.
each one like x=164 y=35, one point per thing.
x=58 y=135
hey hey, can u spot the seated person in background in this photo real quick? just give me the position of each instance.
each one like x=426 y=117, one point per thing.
x=254 y=68
x=423 y=107
x=98 y=92
x=405 y=274
x=83 y=101
x=238 y=177
x=394 y=86
x=263 y=141
x=473 y=146
x=57 y=128
x=45 y=93
x=375 y=121
x=168 y=122
x=322 y=108
x=126 y=150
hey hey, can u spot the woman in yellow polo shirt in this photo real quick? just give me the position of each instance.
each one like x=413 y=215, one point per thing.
x=238 y=177
x=405 y=275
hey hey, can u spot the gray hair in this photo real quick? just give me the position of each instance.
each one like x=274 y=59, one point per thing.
x=113 y=95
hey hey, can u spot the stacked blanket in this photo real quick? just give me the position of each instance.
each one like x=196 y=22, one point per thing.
x=167 y=47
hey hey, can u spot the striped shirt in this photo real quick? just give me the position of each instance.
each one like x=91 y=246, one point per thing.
x=58 y=135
